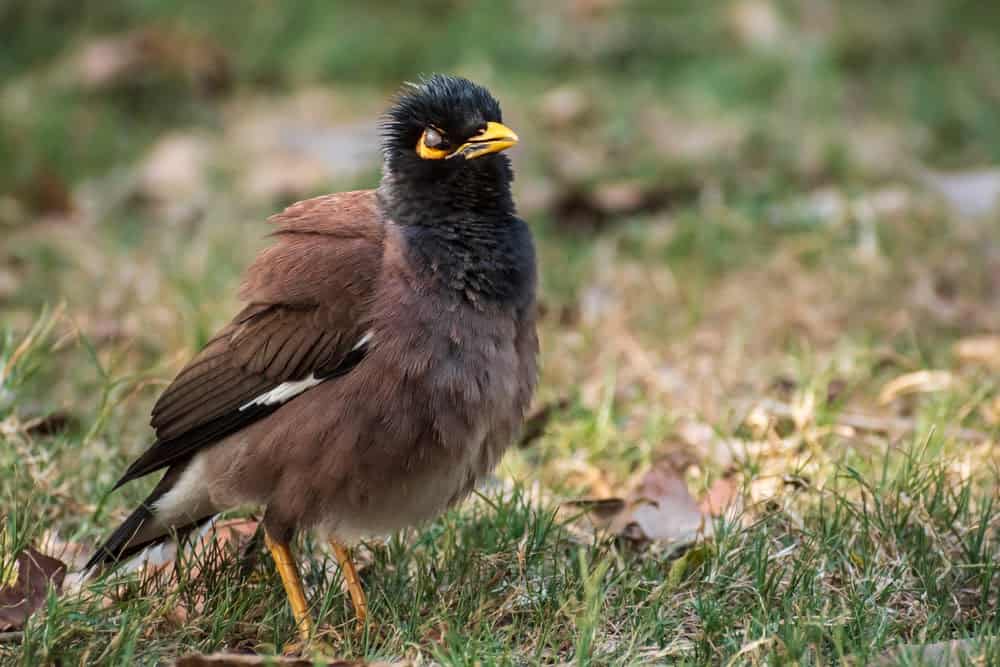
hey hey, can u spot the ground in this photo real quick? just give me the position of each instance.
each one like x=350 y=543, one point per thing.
x=770 y=264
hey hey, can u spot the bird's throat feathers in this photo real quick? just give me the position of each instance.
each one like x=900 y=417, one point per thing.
x=462 y=228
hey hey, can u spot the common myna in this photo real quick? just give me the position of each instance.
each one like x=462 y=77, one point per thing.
x=384 y=359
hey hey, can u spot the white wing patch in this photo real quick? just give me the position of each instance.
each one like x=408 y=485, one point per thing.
x=283 y=392
x=289 y=390
x=364 y=340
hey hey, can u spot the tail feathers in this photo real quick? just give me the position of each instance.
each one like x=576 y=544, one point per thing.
x=119 y=546
x=142 y=528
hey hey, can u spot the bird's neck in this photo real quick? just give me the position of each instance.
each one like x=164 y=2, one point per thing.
x=463 y=231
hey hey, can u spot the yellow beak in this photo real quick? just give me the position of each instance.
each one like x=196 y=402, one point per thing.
x=495 y=138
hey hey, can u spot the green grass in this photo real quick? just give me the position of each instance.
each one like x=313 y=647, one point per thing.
x=901 y=553
x=729 y=287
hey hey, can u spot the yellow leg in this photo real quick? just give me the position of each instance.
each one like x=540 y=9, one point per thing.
x=289 y=572
x=351 y=578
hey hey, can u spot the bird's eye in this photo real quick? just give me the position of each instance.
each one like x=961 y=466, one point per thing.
x=432 y=138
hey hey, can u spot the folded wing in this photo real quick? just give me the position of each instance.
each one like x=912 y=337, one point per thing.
x=305 y=323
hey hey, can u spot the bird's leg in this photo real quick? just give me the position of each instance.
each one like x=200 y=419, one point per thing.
x=289 y=571
x=351 y=578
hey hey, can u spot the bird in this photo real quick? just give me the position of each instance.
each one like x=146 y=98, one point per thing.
x=383 y=360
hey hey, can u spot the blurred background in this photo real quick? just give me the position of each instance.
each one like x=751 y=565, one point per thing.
x=734 y=200
x=769 y=235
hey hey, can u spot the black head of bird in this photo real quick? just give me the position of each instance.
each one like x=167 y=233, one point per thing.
x=446 y=127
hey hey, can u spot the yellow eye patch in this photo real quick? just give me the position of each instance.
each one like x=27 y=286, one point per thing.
x=493 y=138
x=428 y=146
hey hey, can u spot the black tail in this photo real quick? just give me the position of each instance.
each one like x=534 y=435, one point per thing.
x=120 y=545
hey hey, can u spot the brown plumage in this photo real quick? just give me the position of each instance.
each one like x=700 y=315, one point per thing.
x=384 y=359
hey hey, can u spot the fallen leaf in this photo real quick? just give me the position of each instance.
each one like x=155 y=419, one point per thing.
x=918 y=382
x=35 y=572
x=243 y=660
x=984 y=350
x=660 y=508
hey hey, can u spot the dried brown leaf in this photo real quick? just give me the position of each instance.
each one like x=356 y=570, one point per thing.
x=35 y=572
x=660 y=508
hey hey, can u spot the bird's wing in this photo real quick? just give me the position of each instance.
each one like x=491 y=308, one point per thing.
x=308 y=296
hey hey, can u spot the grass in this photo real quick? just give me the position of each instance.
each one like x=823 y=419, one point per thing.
x=500 y=582
x=786 y=261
